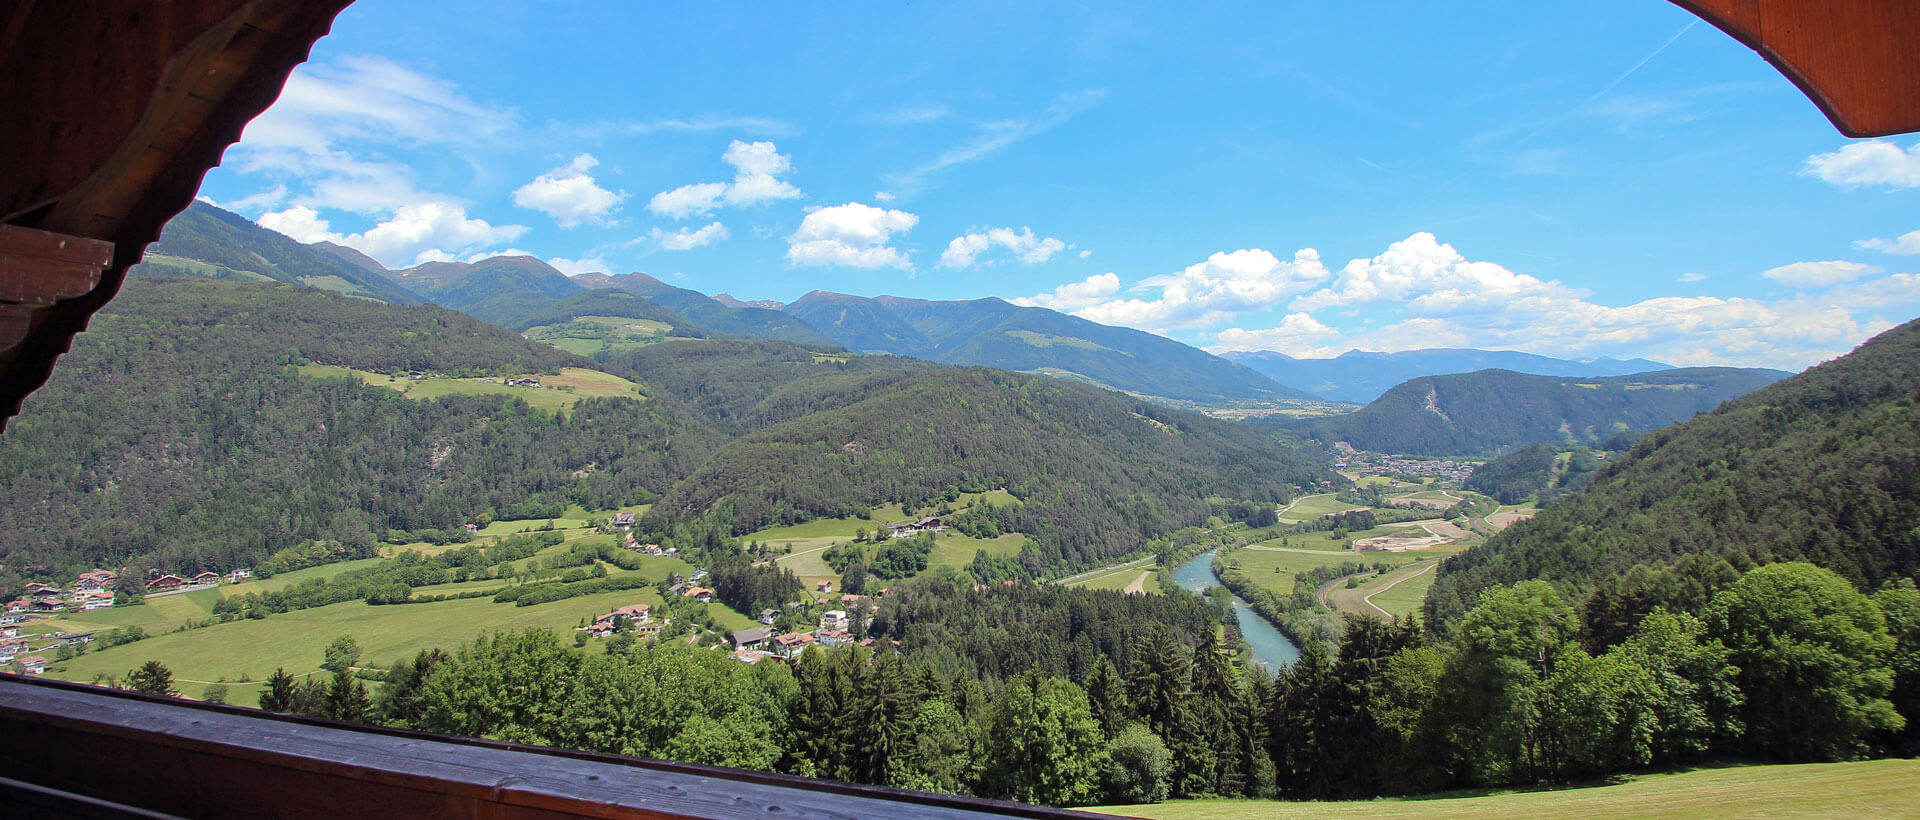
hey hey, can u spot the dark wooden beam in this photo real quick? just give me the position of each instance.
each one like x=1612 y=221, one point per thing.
x=42 y=267
x=196 y=760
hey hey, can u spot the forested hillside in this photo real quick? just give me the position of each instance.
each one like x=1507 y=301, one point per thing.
x=497 y=289
x=1099 y=473
x=605 y=302
x=178 y=434
x=742 y=385
x=1482 y=413
x=205 y=241
x=1822 y=467
x=704 y=311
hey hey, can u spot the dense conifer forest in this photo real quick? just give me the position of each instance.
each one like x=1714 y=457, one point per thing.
x=1821 y=467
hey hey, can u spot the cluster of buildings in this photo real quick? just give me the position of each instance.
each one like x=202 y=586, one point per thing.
x=93 y=590
x=1367 y=463
x=768 y=642
x=928 y=524
x=169 y=583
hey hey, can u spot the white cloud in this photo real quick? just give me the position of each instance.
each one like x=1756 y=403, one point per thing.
x=1085 y=254
x=688 y=238
x=364 y=97
x=1028 y=248
x=1296 y=334
x=882 y=196
x=687 y=200
x=1075 y=295
x=1437 y=298
x=1906 y=243
x=421 y=232
x=1431 y=278
x=575 y=267
x=854 y=234
x=1692 y=277
x=570 y=195
x=757 y=166
x=1875 y=162
x=300 y=222
x=1226 y=284
x=1806 y=275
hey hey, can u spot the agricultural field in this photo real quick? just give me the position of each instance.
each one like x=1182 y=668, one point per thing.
x=297 y=640
x=556 y=393
x=1274 y=567
x=1122 y=579
x=588 y=335
x=1398 y=593
x=1311 y=507
x=1870 y=789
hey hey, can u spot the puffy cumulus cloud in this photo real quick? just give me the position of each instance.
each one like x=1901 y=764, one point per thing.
x=1297 y=334
x=1075 y=295
x=1429 y=277
x=301 y=223
x=1818 y=274
x=575 y=267
x=1906 y=243
x=854 y=235
x=1875 y=162
x=1226 y=284
x=688 y=238
x=1026 y=247
x=421 y=232
x=687 y=200
x=570 y=195
x=757 y=167
x=1424 y=295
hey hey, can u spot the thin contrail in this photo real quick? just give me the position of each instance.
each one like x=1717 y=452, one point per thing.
x=1644 y=61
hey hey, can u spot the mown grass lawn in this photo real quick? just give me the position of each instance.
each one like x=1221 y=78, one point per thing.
x=1313 y=507
x=1275 y=570
x=1865 y=790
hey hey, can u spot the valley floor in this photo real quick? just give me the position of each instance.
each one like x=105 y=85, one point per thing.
x=1871 y=789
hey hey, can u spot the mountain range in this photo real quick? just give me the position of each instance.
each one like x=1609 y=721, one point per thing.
x=1361 y=376
x=515 y=290
x=1483 y=413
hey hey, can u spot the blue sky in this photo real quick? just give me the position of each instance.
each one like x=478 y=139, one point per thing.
x=1574 y=179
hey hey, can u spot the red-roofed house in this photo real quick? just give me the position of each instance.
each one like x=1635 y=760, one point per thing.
x=206 y=578
x=167 y=582
x=97 y=579
x=701 y=594
x=793 y=643
x=18 y=606
x=34 y=664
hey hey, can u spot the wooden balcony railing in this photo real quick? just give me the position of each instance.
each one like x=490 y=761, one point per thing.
x=68 y=750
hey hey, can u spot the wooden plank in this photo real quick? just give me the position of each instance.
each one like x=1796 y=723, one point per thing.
x=18 y=241
x=15 y=321
x=216 y=762
x=42 y=267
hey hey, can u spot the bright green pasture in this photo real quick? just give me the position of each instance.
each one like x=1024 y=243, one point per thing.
x=578 y=383
x=1312 y=507
x=1119 y=579
x=1406 y=597
x=1870 y=789
x=1275 y=570
x=956 y=550
x=298 y=640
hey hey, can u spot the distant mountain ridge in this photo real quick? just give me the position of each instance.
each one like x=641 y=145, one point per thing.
x=708 y=312
x=997 y=333
x=1482 y=413
x=1361 y=376
x=205 y=241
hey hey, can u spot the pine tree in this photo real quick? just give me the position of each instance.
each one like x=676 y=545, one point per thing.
x=278 y=696
x=347 y=698
x=153 y=678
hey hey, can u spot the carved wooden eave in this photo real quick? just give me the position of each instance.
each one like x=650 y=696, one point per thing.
x=111 y=113
x=1858 y=60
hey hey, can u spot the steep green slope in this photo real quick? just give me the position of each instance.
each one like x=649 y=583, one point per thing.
x=742 y=385
x=1481 y=413
x=498 y=289
x=205 y=241
x=759 y=323
x=1821 y=467
x=1100 y=473
x=177 y=434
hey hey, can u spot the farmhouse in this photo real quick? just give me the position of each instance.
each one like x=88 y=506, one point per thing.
x=49 y=605
x=928 y=524
x=166 y=582
x=34 y=664
x=97 y=579
x=12 y=649
x=768 y=616
x=755 y=638
x=18 y=606
x=623 y=521
x=239 y=575
x=824 y=586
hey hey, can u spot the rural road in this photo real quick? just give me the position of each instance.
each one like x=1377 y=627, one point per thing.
x=1355 y=601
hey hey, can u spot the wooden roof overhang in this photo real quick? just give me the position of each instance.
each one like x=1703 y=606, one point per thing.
x=1858 y=60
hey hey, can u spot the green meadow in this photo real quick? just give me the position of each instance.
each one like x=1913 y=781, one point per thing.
x=555 y=393
x=1866 y=790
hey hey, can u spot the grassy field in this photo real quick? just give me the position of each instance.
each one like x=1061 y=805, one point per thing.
x=1406 y=589
x=556 y=393
x=1275 y=570
x=1871 y=789
x=1308 y=508
x=614 y=334
x=298 y=640
x=1119 y=579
